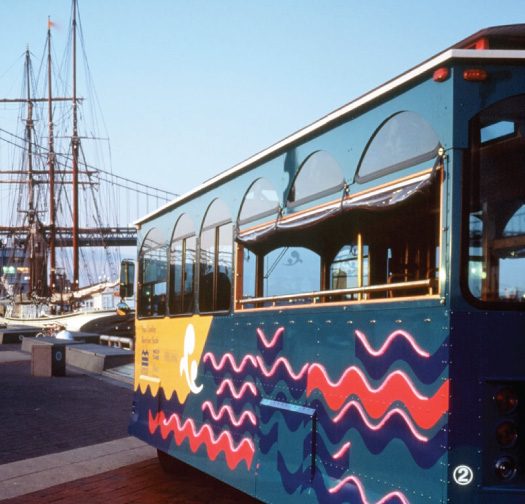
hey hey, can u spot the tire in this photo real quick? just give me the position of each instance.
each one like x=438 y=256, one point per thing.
x=171 y=465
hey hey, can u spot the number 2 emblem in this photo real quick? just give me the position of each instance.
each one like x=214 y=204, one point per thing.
x=463 y=475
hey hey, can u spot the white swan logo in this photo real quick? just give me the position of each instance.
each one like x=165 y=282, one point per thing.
x=187 y=368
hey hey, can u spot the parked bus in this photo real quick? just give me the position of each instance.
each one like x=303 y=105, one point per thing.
x=338 y=318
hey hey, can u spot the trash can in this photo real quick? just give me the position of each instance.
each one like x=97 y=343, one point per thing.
x=48 y=360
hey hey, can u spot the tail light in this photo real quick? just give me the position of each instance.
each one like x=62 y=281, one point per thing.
x=505 y=436
x=506 y=399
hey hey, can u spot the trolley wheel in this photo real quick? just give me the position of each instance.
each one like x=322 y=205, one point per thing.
x=171 y=465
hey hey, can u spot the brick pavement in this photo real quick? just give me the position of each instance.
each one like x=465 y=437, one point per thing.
x=66 y=418
x=39 y=416
x=144 y=482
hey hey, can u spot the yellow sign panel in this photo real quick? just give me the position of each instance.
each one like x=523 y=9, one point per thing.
x=169 y=351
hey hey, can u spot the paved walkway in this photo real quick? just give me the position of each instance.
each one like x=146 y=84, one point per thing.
x=143 y=483
x=64 y=440
x=34 y=474
x=44 y=415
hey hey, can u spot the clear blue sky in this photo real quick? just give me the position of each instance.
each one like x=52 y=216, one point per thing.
x=189 y=88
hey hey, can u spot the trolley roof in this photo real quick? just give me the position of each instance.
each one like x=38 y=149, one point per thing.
x=495 y=43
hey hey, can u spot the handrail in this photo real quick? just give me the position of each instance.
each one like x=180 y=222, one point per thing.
x=337 y=292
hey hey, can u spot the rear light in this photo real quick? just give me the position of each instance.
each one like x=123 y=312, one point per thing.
x=475 y=75
x=504 y=444
x=506 y=400
x=506 y=434
x=505 y=468
x=440 y=75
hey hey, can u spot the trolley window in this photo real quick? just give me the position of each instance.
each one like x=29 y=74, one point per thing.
x=291 y=270
x=216 y=251
x=495 y=196
x=182 y=267
x=319 y=175
x=382 y=243
x=405 y=139
x=152 y=281
x=260 y=201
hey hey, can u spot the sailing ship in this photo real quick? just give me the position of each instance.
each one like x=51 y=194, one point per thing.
x=41 y=247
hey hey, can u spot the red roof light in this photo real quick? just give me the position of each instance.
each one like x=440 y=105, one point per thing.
x=475 y=75
x=440 y=75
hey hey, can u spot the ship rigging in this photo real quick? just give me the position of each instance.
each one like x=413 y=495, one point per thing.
x=53 y=243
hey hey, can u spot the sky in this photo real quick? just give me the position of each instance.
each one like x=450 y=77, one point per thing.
x=190 y=88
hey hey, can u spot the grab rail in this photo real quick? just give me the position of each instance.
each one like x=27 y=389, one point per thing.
x=341 y=292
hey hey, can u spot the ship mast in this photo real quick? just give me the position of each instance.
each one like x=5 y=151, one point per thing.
x=42 y=241
x=35 y=237
x=29 y=139
x=51 y=164
x=32 y=222
x=75 y=145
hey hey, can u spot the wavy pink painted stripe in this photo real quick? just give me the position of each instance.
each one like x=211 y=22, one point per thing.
x=359 y=485
x=381 y=424
x=341 y=451
x=287 y=365
x=354 y=369
x=237 y=394
x=388 y=342
x=265 y=342
x=227 y=410
x=229 y=357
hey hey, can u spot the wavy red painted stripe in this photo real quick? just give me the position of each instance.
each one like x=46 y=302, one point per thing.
x=214 y=445
x=426 y=411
